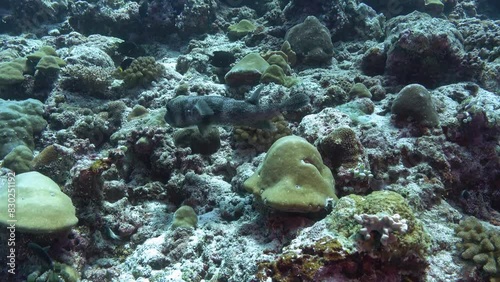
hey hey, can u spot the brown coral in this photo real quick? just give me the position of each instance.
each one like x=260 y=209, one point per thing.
x=341 y=147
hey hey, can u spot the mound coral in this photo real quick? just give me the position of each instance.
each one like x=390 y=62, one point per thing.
x=292 y=177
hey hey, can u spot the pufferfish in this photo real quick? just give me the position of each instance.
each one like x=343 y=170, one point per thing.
x=206 y=111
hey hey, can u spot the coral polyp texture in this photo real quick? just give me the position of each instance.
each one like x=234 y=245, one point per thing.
x=249 y=140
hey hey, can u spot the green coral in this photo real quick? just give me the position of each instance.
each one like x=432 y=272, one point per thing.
x=50 y=63
x=45 y=60
x=11 y=72
x=60 y=272
x=290 y=54
x=239 y=30
x=272 y=66
x=480 y=245
x=342 y=220
x=360 y=90
x=185 y=216
x=137 y=112
x=278 y=70
x=54 y=161
x=278 y=58
x=434 y=6
x=19 y=159
x=273 y=73
x=41 y=206
x=142 y=72
x=247 y=71
x=19 y=122
x=292 y=177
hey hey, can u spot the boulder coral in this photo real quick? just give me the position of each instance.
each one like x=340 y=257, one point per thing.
x=293 y=178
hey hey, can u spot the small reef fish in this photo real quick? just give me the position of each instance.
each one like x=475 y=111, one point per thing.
x=41 y=253
x=205 y=111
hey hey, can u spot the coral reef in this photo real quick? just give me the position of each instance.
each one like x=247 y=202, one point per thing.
x=382 y=224
x=293 y=177
x=397 y=144
x=41 y=207
x=141 y=72
x=262 y=139
x=480 y=244
x=184 y=216
x=329 y=247
x=19 y=122
x=311 y=41
x=416 y=102
x=340 y=147
x=200 y=144
x=247 y=71
x=19 y=159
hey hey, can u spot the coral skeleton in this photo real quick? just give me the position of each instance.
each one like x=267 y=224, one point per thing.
x=383 y=224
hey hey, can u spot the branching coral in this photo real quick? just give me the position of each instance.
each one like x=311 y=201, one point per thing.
x=382 y=223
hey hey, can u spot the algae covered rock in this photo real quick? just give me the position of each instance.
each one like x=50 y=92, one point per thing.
x=206 y=144
x=247 y=71
x=337 y=246
x=415 y=101
x=239 y=30
x=41 y=206
x=341 y=147
x=434 y=6
x=185 y=216
x=292 y=177
x=55 y=161
x=312 y=41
